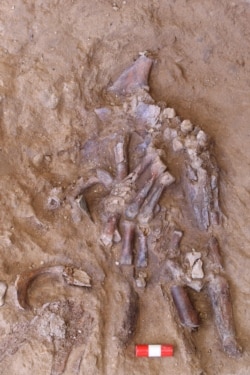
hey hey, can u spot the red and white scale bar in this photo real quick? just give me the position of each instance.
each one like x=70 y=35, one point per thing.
x=154 y=350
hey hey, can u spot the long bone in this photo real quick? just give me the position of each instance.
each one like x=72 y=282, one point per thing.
x=187 y=314
x=219 y=293
x=142 y=254
x=127 y=242
x=121 y=159
x=147 y=209
x=156 y=168
x=218 y=289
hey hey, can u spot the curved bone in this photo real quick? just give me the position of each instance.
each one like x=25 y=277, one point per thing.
x=25 y=280
x=133 y=78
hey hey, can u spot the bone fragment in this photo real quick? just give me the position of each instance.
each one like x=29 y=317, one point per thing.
x=186 y=126
x=177 y=144
x=187 y=314
x=25 y=280
x=192 y=257
x=133 y=208
x=168 y=113
x=76 y=277
x=214 y=254
x=147 y=210
x=3 y=289
x=218 y=290
x=173 y=249
x=121 y=160
x=142 y=258
x=109 y=230
x=133 y=78
x=197 y=271
x=141 y=280
x=127 y=242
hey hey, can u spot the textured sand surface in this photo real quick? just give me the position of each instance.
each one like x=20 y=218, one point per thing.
x=56 y=59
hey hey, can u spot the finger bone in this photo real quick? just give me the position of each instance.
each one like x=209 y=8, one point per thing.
x=127 y=242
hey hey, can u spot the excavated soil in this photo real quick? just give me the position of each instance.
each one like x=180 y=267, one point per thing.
x=56 y=59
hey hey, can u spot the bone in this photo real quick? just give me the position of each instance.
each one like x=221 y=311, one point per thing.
x=24 y=281
x=3 y=289
x=187 y=314
x=104 y=178
x=214 y=254
x=133 y=78
x=200 y=198
x=79 y=188
x=133 y=208
x=142 y=258
x=173 y=250
x=219 y=294
x=109 y=230
x=127 y=242
x=121 y=160
x=147 y=210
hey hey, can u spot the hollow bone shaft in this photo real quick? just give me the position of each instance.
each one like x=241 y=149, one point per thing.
x=147 y=209
x=187 y=314
x=127 y=242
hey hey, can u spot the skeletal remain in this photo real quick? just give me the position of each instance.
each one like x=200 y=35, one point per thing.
x=3 y=289
x=141 y=280
x=173 y=248
x=121 y=160
x=219 y=293
x=142 y=254
x=71 y=275
x=133 y=208
x=218 y=290
x=127 y=242
x=147 y=210
x=197 y=271
x=110 y=229
x=187 y=314
x=133 y=78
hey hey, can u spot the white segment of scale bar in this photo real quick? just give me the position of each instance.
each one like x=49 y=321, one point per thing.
x=154 y=350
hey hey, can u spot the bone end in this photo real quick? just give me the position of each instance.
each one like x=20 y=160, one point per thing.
x=133 y=78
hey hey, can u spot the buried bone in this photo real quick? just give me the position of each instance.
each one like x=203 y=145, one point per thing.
x=142 y=254
x=187 y=314
x=219 y=294
x=110 y=229
x=127 y=242
x=147 y=210
x=71 y=275
x=3 y=290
